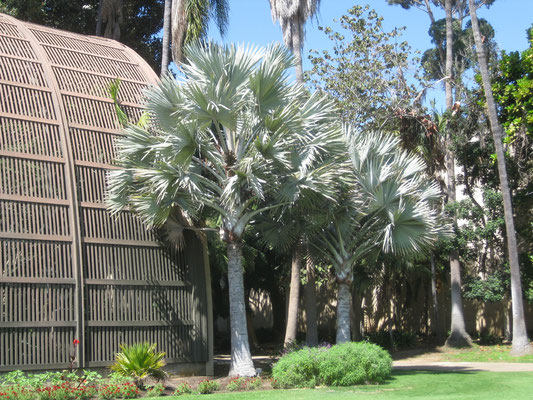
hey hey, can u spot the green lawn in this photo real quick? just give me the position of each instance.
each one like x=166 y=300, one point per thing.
x=407 y=385
x=495 y=353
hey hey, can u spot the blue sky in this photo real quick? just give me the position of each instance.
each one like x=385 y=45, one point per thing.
x=250 y=22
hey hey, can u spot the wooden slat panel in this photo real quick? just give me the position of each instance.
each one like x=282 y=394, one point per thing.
x=68 y=268
x=125 y=282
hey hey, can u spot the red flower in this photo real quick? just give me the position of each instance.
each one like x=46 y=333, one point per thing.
x=75 y=342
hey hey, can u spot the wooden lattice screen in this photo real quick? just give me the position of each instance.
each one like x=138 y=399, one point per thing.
x=68 y=269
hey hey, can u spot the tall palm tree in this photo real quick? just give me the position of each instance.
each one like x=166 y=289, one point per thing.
x=520 y=343
x=190 y=22
x=458 y=335
x=387 y=208
x=222 y=141
x=292 y=16
x=165 y=50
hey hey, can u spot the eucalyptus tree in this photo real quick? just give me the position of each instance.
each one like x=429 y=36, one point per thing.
x=292 y=16
x=190 y=22
x=222 y=140
x=386 y=208
x=520 y=343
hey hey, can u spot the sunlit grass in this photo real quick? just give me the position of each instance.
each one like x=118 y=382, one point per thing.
x=408 y=385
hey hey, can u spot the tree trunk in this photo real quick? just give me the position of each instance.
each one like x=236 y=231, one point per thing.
x=390 y=311
x=297 y=51
x=241 y=358
x=344 y=299
x=311 y=335
x=166 y=37
x=458 y=336
x=278 y=313
x=99 y=19
x=436 y=318
x=520 y=344
x=179 y=29
x=294 y=297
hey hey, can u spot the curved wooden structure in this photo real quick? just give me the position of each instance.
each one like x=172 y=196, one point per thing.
x=68 y=269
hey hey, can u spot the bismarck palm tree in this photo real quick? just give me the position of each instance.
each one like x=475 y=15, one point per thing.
x=520 y=343
x=190 y=22
x=292 y=16
x=222 y=141
x=387 y=208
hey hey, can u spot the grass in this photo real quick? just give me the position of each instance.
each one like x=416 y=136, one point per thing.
x=494 y=353
x=408 y=385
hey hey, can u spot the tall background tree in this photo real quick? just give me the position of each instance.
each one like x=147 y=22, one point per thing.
x=520 y=344
x=165 y=46
x=190 y=22
x=292 y=16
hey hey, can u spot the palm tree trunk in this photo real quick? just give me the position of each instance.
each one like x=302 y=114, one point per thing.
x=166 y=37
x=458 y=336
x=388 y=290
x=344 y=299
x=294 y=297
x=179 y=29
x=436 y=319
x=241 y=358
x=311 y=336
x=297 y=51
x=99 y=19
x=520 y=344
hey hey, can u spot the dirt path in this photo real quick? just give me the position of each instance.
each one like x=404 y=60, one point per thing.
x=432 y=360
x=424 y=365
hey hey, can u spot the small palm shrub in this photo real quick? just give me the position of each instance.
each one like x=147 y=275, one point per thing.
x=345 y=364
x=140 y=361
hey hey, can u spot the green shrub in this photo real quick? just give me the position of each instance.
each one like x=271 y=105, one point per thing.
x=236 y=384
x=208 y=386
x=254 y=383
x=341 y=365
x=242 y=383
x=298 y=369
x=182 y=389
x=140 y=361
x=111 y=391
x=352 y=363
x=129 y=391
x=155 y=391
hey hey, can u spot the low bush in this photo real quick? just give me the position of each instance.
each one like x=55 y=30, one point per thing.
x=298 y=369
x=155 y=391
x=345 y=364
x=208 y=386
x=242 y=383
x=352 y=363
x=182 y=389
